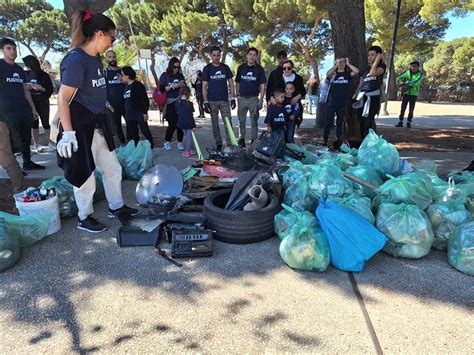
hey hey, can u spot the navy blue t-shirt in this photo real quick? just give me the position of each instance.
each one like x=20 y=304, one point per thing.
x=339 y=91
x=217 y=81
x=12 y=77
x=372 y=83
x=289 y=108
x=250 y=78
x=276 y=117
x=115 y=88
x=166 y=79
x=84 y=72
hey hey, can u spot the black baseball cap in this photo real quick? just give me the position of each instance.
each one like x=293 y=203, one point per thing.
x=415 y=62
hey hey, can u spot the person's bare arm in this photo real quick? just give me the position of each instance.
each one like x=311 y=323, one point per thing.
x=64 y=96
x=353 y=68
x=237 y=89
x=361 y=81
x=331 y=71
x=205 y=86
x=231 y=86
x=374 y=69
x=30 y=101
x=262 y=91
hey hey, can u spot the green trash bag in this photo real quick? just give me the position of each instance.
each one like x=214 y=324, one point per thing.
x=380 y=154
x=305 y=248
x=288 y=217
x=470 y=205
x=346 y=149
x=329 y=179
x=135 y=161
x=299 y=197
x=412 y=188
x=368 y=174
x=9 y=248
x=407 y=228
x=461 y=248
x=359 y=204
x=462 y=177
x=296 y=173
x=27 y=230
x=426 y=166
x=444 y=218
x=343 y=161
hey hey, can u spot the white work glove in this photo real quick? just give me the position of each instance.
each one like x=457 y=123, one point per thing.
x=67 y=144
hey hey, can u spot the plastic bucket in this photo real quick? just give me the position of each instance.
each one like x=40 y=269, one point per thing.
x=49 y=206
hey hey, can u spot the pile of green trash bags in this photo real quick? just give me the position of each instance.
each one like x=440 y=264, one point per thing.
x=461 y=248
x=407 y=228
x=65 y=193
x=304 y=245
x=445 y=216
x=17 y=232
x=135 y=161
x=379 y=154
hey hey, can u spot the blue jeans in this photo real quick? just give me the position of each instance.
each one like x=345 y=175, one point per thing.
x=290 y=131
x=313 y=99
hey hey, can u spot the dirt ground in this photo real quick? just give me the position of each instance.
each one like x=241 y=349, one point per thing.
x=413 y=139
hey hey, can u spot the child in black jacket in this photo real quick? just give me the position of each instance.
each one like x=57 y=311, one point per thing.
x=136 y=106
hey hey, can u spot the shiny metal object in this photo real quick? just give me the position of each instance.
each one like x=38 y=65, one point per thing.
x=161 y=179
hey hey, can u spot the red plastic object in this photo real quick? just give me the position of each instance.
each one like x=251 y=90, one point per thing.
x=220 y=171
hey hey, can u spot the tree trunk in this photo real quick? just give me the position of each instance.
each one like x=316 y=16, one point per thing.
x=70 y=6
x=348 y=35
x=152 y=68
x=392 y=85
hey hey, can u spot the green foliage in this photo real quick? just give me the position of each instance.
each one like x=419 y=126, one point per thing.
x=126 y=55
x=452 y=63
x=34 y=23
x=435 y=11
x=415 y=34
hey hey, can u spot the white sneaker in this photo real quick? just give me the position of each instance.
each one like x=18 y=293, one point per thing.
x=180 y=146
x=167 y=145
x=33 y=149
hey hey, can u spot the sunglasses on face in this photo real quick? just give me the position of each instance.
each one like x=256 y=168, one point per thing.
x=176 y=67
x=112 y=37
x=287 y=68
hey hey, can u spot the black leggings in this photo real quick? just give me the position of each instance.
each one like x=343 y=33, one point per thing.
x=340 y=112
x=22 y=122
x=369 y=122
x=118 y=124
x=132 y=131
x=172 y=118
x=42 y=106
x=407 y=100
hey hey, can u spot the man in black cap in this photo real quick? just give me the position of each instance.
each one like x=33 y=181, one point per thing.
x=409 y=83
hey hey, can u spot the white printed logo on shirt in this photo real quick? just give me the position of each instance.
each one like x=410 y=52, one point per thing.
x=288 y=108
x=14 y=79
x=116 y=80
x=126 y=94
x=340 y=80
x=280 y=117
x=248 y=77
x=218 y=76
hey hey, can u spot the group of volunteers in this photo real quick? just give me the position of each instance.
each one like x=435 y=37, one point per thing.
x=90 y=94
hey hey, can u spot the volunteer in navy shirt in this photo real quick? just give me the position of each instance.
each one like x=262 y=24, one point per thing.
x=170 y=82
x=250 y=84
x=272 y=84
x=369 y=91
x=217 y=82
x=84 y=141
x=115 y=88
x=41 y=88
x=277 y=114
x=136 y=106
x=339 y=76
x=16 y=100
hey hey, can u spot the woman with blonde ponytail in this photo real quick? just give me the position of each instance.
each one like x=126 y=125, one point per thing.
x=84 y=142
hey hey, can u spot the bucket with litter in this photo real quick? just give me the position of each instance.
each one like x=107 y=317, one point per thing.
x=49 y=205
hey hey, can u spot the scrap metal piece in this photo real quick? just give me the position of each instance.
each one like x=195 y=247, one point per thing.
x=161 y=179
